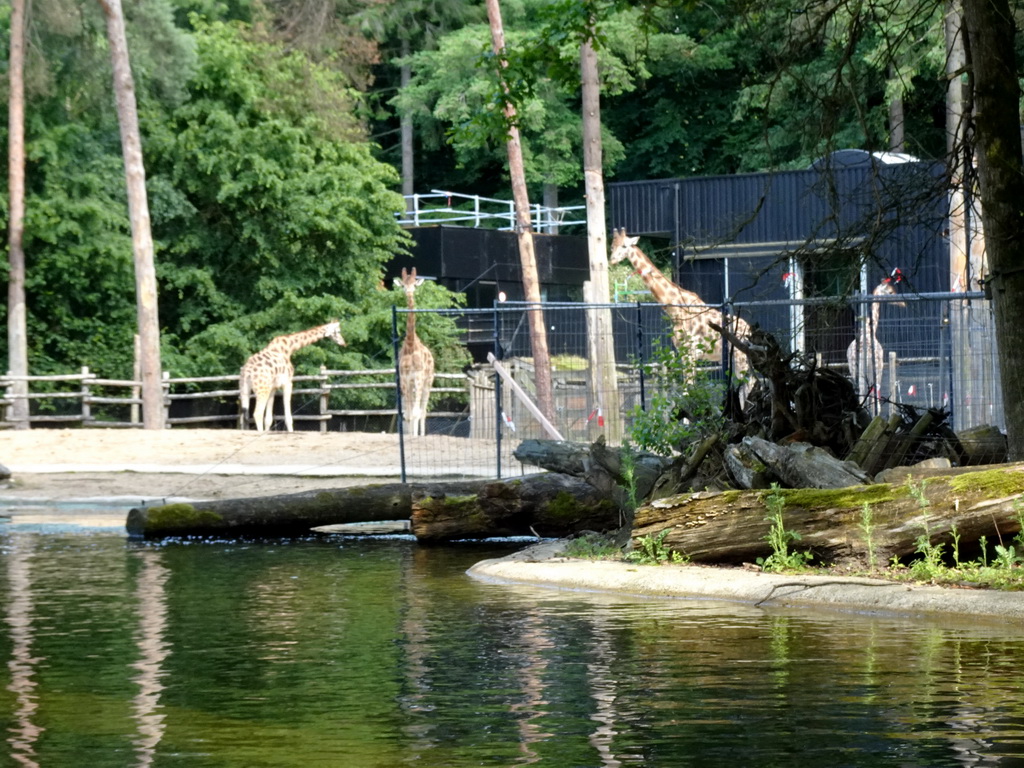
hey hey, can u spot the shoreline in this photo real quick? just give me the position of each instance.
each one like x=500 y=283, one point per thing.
x=542 y=565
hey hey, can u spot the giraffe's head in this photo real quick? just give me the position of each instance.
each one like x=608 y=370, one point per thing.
x=408 y=282
x=621 y=246
x=332 y=331
x=888 y=287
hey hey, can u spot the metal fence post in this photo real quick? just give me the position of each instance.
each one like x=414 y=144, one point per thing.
x=398 y=392
x=640 y=354
x=497 y=391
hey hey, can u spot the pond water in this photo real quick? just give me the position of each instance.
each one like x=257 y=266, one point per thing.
x=354 y=652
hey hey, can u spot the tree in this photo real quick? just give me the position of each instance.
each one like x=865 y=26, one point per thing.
x=138 y=211
x=993 y=66
x=531 y=281
x=17 y=345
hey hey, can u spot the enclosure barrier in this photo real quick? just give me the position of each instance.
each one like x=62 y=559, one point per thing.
x=939 y=352
x=86 y=400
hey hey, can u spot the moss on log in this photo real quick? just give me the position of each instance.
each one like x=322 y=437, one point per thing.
x=544 y=504
x=285 y=515
x=730 y=527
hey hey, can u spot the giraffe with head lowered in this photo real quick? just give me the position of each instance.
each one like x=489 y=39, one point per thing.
x=415 y=363
x=271 y=369
x=865 y=355
x=685 y=309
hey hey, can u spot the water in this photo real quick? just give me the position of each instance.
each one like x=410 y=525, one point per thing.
x=344 y=652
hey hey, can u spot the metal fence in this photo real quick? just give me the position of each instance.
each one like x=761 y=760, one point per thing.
x=939 y=352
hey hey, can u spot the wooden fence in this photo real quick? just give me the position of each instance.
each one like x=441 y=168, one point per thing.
x=85 y=399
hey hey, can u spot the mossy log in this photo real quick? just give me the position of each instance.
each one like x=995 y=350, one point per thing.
x=286 y=515
x=730 y=527
x=549 y=505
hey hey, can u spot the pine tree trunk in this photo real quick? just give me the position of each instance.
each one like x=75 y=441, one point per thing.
x=527 y=254
x=138 y=212
x=17 y=321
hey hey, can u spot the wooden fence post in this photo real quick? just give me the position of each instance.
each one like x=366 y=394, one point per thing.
x=325 y=396
x=86 y=407
x=135 y=417
x=165 y=391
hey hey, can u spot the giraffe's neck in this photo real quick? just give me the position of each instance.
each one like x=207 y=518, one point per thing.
x=410 y=321
x=293 y=341
x=663 y=289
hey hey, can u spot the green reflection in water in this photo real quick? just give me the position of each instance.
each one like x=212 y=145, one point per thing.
x=382 y=653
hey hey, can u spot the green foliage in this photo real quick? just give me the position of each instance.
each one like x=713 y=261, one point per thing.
x=592 y=546
x=781 y=559
x=867 y=527
x=685 y=404
x=456 y=98
x=651 y=550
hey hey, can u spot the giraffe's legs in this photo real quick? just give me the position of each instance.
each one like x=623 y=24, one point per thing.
x=263 y=399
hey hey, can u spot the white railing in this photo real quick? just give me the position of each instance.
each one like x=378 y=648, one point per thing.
x=436 y=207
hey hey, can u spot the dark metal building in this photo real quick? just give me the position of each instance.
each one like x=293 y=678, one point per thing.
x=830 y=231
x=482 y=263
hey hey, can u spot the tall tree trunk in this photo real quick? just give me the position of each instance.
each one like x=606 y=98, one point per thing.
x=996 y=91
x=17 y=332
x=527 y=255
x=897 y=119
x=408 y=166
x=602 y=344
x=138 y=212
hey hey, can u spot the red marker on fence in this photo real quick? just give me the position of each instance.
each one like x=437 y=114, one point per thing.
x=508 y=421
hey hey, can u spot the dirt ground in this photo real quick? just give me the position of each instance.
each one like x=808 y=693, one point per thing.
x=192 y=463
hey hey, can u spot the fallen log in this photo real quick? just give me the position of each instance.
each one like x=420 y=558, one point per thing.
x=542 y=504
x=285 y=515
x=547 y=505
x=730 y=527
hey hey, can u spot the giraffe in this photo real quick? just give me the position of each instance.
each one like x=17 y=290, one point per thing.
x=415 y=363
x=271 y=369
x=865 y=355
x=690 y=327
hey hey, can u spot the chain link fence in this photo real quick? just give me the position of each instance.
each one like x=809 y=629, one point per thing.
x=937 y=351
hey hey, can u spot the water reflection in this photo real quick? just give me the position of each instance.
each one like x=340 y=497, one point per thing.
x=361 y=653
x=151 y=599
x=21 y=663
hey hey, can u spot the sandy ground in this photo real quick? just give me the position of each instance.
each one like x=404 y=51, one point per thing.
x=192 y=463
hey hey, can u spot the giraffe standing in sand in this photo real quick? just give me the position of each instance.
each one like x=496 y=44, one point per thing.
x=271 y=369
x=415 y=363
x=865 y=355
x=685 y=309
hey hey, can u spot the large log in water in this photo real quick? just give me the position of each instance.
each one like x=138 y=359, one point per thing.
x=548 y=505
x=286 y=515
x=730 y=527
x=542 y=504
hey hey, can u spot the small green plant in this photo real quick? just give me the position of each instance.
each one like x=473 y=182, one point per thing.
x=781 y=559
x=686 y=404
x=867 y=526
x=983 y=544
x=651 y=550
x=1006 y=557
x=629 y=476
x=930 y=564
x=955 y=535
x=592 y=546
